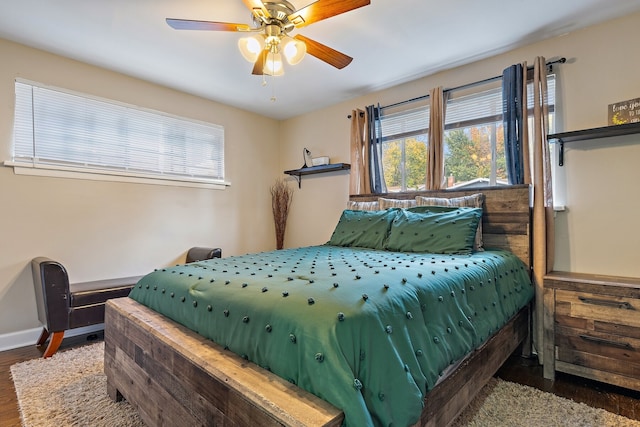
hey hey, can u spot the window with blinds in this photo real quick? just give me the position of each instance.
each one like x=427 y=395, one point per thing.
x=473 y=141
x=59 y=130
x=404 y=130
x=474 y=149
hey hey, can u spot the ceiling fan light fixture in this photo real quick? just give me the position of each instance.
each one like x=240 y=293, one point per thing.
x=273 y=20
x=250 y=47
x=294 y=50
x=273 y=64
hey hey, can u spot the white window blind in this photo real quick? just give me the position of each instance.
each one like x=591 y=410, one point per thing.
x=486 y=105
x=407 y=120
x=57 y=129
x=464 y=110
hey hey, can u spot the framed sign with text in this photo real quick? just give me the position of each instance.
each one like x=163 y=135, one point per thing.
x=624 y=112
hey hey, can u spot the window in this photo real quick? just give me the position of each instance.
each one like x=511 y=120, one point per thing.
x=474 y=153
x=63 y=131
x=404 y=145
x=474 y=139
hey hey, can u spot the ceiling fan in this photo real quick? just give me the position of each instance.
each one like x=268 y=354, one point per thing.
x=273 y=20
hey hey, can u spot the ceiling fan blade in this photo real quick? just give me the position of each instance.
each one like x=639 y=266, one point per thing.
x=259 y=64
x=323 y=9
x=325 y=53
x=258 y=9
x=187 y=24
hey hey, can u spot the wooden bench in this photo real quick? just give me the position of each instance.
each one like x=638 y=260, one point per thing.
x=63 y=305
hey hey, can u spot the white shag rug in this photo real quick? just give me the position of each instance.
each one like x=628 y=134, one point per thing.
x=70 y=389
x=505 y=404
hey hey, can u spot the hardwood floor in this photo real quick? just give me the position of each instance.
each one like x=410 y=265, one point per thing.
x=516 y=369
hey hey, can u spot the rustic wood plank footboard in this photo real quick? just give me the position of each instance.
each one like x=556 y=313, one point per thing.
x=174 y=376
x=460 y=385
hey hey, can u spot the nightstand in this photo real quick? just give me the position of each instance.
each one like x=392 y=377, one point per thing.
x=592 y=327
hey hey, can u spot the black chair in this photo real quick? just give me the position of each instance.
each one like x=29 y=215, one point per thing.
x=63 y=305
x=201 y=253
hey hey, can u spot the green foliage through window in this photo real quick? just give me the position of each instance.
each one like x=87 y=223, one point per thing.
x=475 y=152
x=405 y=163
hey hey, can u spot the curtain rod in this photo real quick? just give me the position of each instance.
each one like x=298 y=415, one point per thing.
x=468 y=85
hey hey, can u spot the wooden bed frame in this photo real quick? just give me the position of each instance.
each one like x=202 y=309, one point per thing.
x=174 y=376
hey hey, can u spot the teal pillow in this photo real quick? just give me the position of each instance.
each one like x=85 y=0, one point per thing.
x=446 y=232
x=365 y=229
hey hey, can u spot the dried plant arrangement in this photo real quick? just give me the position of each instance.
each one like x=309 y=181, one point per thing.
x=281 y=196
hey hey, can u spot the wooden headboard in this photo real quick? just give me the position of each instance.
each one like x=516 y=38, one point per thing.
x=506 y=218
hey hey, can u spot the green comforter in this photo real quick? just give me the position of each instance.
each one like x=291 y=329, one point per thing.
x=368 y=331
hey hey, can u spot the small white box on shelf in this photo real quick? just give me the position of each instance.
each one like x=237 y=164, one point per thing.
x=319 y=161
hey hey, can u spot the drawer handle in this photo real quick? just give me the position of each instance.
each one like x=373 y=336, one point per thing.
x=606 y=342
x=607 y=303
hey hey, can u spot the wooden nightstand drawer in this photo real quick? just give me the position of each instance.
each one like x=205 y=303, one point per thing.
x=612 y=309
x=609 y=355
x=592 y=327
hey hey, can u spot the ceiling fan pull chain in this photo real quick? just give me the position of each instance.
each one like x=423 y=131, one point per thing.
x=264 y=78
x=273 y=90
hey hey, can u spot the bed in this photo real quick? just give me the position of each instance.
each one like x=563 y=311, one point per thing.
x=346 y=332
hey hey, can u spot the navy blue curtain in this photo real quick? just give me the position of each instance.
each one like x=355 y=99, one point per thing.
x=375 y=149
x=513 y=125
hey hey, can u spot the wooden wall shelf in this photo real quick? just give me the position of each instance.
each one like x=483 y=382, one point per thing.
x=298 y=173
x=594 y=133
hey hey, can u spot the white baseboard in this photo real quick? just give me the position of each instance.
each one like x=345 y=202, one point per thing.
x=30 y=336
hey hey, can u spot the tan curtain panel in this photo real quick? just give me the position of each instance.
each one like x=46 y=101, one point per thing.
x=359 y=182
x=435 y=150
x=543 y=220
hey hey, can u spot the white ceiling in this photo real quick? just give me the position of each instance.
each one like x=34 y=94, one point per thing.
x=391 y=41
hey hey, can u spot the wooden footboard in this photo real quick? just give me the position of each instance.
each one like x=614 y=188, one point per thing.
x=462 y=383
x=173 y=376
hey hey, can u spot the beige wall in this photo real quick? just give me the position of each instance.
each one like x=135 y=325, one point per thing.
x=108 y=229
x=598 y=184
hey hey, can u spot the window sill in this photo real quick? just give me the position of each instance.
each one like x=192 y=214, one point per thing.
x=113 y=176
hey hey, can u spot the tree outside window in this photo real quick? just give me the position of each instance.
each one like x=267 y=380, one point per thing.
x=475 y=153
x=404 y=163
